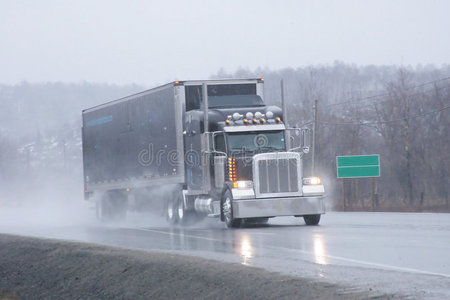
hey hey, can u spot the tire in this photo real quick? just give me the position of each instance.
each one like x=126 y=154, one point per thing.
x=311 y=220
x=171 y=211
x=227 y=211
x=182 y=214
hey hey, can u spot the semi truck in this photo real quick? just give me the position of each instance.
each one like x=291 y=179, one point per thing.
x=191 y=149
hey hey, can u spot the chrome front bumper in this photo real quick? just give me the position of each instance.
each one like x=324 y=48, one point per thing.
x=274 y=207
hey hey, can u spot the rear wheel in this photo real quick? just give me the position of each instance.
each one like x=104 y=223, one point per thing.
x=182 y=213
x=227 y=211
x=171 y=211
x=312 y=219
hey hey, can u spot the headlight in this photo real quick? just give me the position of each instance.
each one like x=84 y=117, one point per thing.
x=243 y=184
x=311 y=181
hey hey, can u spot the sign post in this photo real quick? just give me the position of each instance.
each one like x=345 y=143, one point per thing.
x=359 y=166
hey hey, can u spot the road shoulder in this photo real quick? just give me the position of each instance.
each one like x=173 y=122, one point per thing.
x=32 y=268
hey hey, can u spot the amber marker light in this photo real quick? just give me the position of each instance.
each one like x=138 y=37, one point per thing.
x=232 y=169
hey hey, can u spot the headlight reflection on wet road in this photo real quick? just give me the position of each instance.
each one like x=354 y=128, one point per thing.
x=246 y=250
x=319 y=250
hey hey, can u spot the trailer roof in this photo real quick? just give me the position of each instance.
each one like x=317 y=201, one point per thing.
x=176 y=83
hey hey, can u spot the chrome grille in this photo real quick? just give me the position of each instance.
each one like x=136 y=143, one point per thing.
x=277 y=174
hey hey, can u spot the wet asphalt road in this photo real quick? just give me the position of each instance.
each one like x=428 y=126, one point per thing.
x=387 y=252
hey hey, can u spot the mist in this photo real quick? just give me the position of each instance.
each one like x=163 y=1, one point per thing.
x=51 y=204
x=378 y=69
x=370 y=77
x=41 y=179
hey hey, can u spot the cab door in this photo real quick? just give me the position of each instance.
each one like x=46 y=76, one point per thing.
x=193 y=156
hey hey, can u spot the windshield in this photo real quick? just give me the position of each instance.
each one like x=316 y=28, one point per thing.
x=235 y=101
x=256 y=141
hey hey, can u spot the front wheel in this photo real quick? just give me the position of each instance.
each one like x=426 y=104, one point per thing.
x=312 y=219
x=227 y=211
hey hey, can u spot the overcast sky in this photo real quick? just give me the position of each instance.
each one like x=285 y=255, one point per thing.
x=153 y=42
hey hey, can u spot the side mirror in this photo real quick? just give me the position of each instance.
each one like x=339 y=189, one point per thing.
x=306 y=140
x=302 y=138
x=213 y=141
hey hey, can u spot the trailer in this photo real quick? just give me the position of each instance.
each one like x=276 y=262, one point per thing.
x=192 y=149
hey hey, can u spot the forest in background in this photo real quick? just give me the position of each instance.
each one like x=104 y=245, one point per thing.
x=401 y=113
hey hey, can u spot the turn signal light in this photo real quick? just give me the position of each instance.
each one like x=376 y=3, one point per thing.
x=232 y=169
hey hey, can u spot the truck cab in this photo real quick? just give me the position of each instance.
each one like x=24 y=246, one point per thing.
x=243 y=165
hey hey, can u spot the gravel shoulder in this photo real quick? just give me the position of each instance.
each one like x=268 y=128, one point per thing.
x=33 y=268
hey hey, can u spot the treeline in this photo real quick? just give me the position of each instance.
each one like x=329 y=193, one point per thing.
x=401 y=113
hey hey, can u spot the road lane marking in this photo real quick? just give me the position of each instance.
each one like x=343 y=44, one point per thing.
x=243 y=230
x=195 y=236
x=260 y=233
x=176 y=234
x=361 y=262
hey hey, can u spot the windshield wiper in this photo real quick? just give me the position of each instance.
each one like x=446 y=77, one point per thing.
x=242 y=150
x=269 y=148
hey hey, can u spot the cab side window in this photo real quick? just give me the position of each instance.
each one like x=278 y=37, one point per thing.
x=193 y=97
x=220 y=142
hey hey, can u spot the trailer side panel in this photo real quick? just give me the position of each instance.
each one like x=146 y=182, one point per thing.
x=134 y=142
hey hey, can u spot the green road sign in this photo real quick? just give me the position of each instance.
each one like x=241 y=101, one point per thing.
x=358 y=166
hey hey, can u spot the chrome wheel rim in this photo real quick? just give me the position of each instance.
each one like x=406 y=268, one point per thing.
x=170 y=211
x=227 y=209
x=180 y=210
